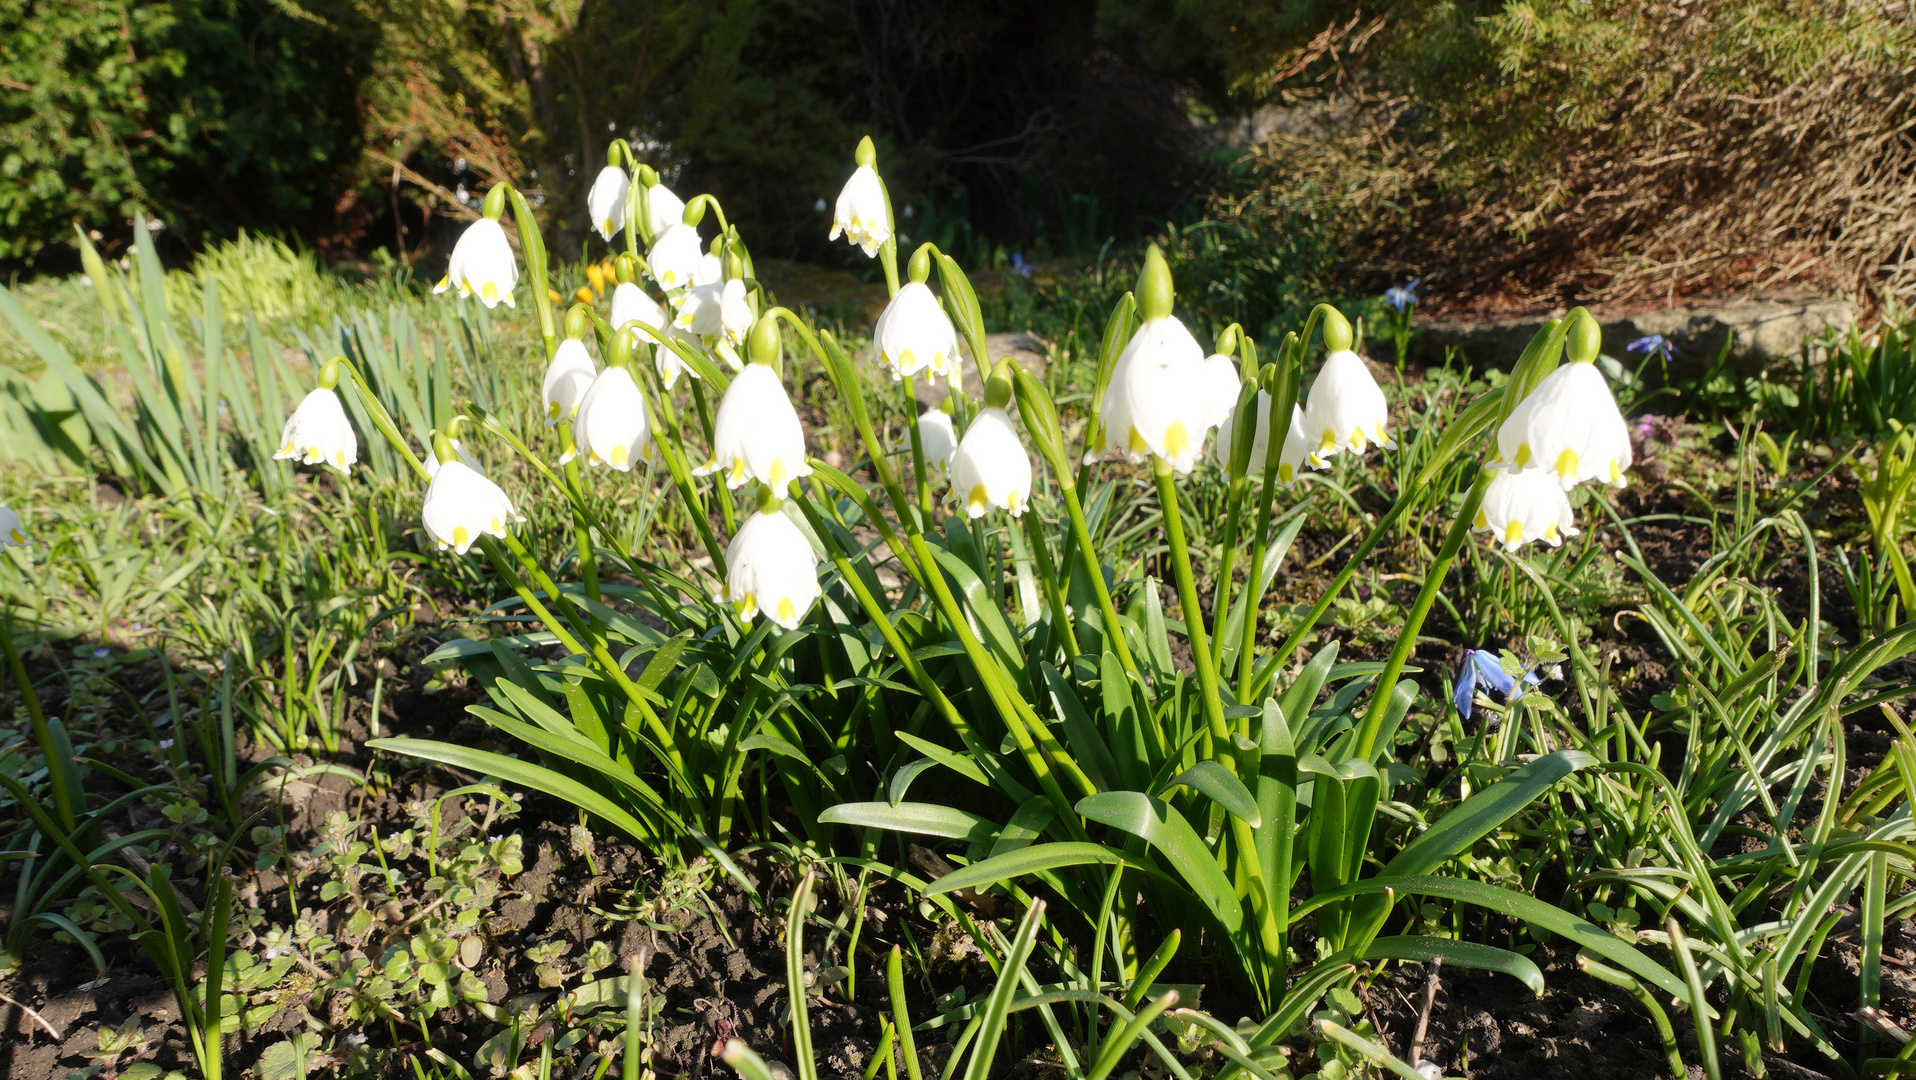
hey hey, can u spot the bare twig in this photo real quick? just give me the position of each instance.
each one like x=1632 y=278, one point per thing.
x=1416 y=1054
x=34 y=1016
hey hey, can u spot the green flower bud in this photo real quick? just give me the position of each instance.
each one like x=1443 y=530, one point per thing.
x=1586 y=338
x=998 y=388
x=648 y=176
x=1155 y=292
x=1337 y=329
x=762 y=346
x=867 y=154
x=494 y=205
x=578 y=321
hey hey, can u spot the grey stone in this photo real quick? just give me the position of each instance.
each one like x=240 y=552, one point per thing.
x=1763 y=333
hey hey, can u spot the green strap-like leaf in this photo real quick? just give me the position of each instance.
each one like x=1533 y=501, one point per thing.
x=1464 y=954
x=1223 y=788
x=1157 y=823
x=927 y=819
x=1456 y=831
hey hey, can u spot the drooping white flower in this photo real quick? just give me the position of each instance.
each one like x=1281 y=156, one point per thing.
x=568 y=377
x=710 y=271
x=605 y=203
x=860 y=212
x=937 y=439
x=1160 y=401
x=770 y=567
x=482 y=263
x=318 y=431
x=1523 y=505
x=1346 y=410
x=1221 y=387
x=612 y=427
x=674 y=259
x=914 y=334
x=716 y=312
x=990 y=467
x=1570 y=427
x=462 y=505
x=662 y=208
x=1289 y=457
x=12 y=534
x=631 y=304
x=757 y=435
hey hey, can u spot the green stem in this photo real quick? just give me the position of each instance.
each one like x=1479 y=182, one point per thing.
x=1284 y=396
x=1193 y=612
x=581 y=526
x=381 y=419
x=1053 y=587
x=532 y=602
x=917 y=445
x=1366 y=740
x=1221 y=600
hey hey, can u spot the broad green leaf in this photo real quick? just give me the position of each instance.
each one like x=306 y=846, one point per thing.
x=928 y=819
x=1157 y=823
x=1478 y=815
x=1223 y=788
x=1464 y=954
x=1032 y=860
x=1025 y=826
x=1517 y=905
x=525 y=774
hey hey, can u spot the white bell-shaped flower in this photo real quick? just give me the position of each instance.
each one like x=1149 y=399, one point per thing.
x=662 y=208
x=318 y=431
x=674 y=259
x=12 y=534
x=757 y=435
x=770 y=567
x=1524 y=505
x=568 y=377
x=462 y=505
x=482 y=263
x=716 y=312
x=1289 y=457
x=860 y=211
x=612 y=427
x=1346 y=410
x=710 y=271
x=1570 y=427
x=990 y=467
x=605 y=203
x=938 y=440
x=1160 y=401
x=1221 y=387
x=914 y=334
x=630 y=304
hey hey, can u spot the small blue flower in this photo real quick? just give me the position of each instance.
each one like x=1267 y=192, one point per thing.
x=1019 y=264
x=1483 y=671
x=1652 y=344
x=102 y=653
x=1402 y=296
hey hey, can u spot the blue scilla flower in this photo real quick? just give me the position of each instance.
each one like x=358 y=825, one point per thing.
x=1019 y=264
x=1402 y=296
x=1652 y=344
x=1484 y=671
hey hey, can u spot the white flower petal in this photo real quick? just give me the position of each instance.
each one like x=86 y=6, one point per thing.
x=770 y=567
x=914 y=334
x=462 y=505
x=319 y=432
x=605 y=203
x=990 y=467
x=482 y=264
x=860 y=212
x=1570 y=426
x=613 y=427
x=1346 y=410
x=1525 y=505
x=568 y=377
x=757 y=435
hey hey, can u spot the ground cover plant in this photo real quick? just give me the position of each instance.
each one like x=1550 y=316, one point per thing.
x=603 y=665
